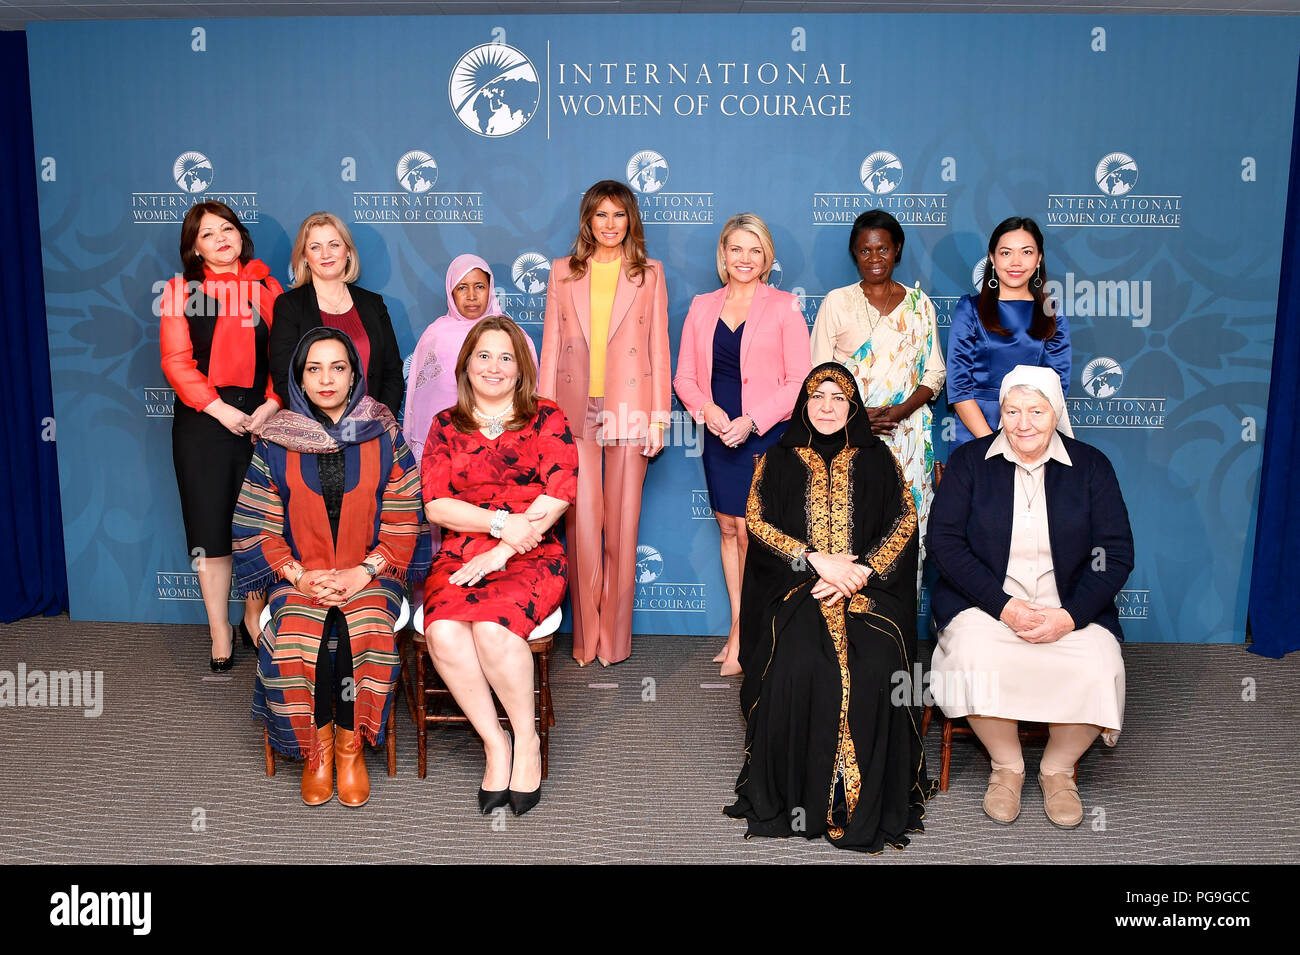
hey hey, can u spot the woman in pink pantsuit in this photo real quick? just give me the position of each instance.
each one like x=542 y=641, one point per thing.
x=605 y=362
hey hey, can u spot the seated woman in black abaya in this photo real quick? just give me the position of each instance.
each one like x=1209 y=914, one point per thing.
x=828 y=617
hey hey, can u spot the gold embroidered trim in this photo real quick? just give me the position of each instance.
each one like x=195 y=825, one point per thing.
x=837 y=375
x=768 y=535
x=829 y=514
x=884 y=557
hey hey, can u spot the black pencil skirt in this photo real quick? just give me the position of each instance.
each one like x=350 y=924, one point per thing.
x=210 y=467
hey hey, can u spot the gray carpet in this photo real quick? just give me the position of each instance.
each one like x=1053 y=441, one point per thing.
x=172 y=769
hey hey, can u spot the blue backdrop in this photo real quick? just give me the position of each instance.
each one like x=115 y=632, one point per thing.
x=1160 y=183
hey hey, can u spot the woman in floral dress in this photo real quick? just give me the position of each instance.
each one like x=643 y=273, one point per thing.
x=886 y=335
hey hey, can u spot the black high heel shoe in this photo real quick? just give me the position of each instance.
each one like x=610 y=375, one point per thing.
x=491 y=800
x=225 y=663
x=520 y=803
x=245 y=637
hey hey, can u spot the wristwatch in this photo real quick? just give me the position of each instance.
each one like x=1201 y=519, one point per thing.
x=371 y=569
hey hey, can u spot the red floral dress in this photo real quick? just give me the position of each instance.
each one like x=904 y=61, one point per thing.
x=507 y=472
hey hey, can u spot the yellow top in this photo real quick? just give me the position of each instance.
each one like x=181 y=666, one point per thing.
x=604 y=280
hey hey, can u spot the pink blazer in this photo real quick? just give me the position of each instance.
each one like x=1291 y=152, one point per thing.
x=638 y=366
x=774 y=355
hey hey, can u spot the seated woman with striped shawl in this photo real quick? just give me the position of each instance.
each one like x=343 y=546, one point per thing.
x=329 y=522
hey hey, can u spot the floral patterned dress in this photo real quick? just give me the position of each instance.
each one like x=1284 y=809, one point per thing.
x=509 y=472
x=890 y=356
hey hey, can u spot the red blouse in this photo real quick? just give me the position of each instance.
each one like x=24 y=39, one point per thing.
x=243 y=299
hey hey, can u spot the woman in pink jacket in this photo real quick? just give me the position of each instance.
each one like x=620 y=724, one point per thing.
x=605 y=362
x=744 y=354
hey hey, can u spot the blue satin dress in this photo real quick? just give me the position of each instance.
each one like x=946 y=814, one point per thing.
x=978 y=361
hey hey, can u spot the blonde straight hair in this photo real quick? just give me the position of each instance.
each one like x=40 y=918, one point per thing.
x=301 y=273
x=746 y=222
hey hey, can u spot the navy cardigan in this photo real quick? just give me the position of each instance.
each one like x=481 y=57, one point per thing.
x=969 y=536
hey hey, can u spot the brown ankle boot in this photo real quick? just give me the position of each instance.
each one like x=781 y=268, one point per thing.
x=354 y=782
x=318 y=784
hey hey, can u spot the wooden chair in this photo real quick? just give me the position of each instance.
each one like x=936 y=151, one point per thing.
x=431 y=703
x=1029 y=733
x=390 y=734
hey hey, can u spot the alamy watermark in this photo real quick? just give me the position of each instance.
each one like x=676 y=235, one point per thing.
x=83 y=689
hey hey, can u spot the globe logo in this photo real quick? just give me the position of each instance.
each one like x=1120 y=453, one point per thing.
x=494 y=90
x=774 y=279
x=881 y=172
x=192 y=172
x=530 y=272
x=417 y=171
x=649 y=564
x=977 y=274
x=647 y=171
x=1102 y=378
x=1116 y=174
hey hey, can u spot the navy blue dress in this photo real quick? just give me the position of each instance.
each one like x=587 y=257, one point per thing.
x=729 y=471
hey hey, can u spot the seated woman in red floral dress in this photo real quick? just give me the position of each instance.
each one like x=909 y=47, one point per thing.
x=498 y=470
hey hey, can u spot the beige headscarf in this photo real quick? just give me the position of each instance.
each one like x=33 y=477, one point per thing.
x=1045 y=381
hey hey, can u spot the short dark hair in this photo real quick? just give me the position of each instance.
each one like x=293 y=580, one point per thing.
x=191 y=260
x=877 y=219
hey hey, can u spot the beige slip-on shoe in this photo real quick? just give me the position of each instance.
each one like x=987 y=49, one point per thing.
x=1002 y=798
x=1061 y=800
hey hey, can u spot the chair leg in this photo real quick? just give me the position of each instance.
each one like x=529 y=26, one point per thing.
x=945 y=755
x=544 y=680
x=270 y=753
x=421 y=727
x=925 y=720
x=543 y=711
x=392 y=737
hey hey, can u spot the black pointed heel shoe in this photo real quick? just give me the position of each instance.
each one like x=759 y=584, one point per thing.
x=489 y=802
x=224 y=663
x=520 y=803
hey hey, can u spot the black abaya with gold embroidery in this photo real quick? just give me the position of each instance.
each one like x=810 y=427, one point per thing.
x=832 y=744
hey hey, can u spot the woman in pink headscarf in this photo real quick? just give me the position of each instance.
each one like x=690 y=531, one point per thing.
x=431 y=387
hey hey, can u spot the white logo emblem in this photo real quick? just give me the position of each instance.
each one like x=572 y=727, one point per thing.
x=977 y=274
x=417 y=171
x=530 y=272
x=1116 y=174
x=494 y=90
x=774 y=279
x=881 y=173
x=192 y=172
x=647 y=171
x=1102 y=378
x=649 y=564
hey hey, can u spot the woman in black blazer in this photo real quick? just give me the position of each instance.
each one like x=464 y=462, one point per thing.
x=1031 y=539
x=325 y=264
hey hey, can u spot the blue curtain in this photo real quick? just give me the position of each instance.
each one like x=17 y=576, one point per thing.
x=1277 y=532
x=31 y=527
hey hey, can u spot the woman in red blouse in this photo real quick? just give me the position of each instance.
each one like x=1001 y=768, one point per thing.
x=215 y=322
x=498 y=470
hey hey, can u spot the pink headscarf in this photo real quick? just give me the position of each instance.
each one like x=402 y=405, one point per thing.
x=431 y=386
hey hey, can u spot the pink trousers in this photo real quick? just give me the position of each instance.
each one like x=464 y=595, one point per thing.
x=601 y=530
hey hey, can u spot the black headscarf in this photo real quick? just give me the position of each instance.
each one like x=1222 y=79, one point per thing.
x=856 y=433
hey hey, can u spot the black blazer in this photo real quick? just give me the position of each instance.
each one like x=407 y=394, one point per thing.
x=969 y=535
x=297 y=313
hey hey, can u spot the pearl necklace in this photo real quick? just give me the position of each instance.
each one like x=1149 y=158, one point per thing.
x=494 y=424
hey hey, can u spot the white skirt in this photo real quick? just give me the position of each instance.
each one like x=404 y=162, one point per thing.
x=981 y=668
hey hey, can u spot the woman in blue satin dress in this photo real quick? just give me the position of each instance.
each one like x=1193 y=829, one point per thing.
x=1011 y=322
